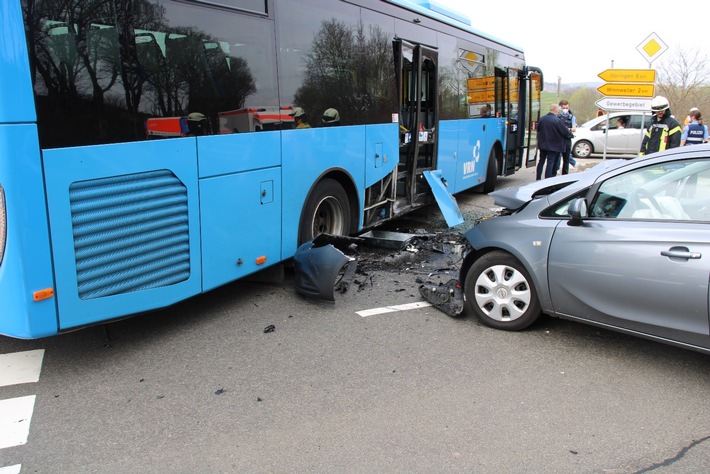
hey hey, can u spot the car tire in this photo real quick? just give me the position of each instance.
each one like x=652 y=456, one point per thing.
x=582 y=149
x=327 y=210
x=500 y=292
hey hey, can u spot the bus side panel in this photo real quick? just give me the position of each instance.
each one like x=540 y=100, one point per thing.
x=476 y=140
x=232 y=153
x=125 y=227
x=16 y=98
x=447 y=155
x=308 y=154
x=382 y=152
x=26 y=266
x=241 y=218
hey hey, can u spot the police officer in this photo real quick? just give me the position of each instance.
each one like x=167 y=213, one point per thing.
x=569 y=121
x=664 y=131
x=695 y=132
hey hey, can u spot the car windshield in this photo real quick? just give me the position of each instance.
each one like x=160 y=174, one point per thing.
x=669 y=191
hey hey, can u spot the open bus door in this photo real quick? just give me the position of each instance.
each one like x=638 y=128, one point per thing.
x=417 y=179
x=523 y=95
x=533 y=108
x=515 y=115
x=418 y=116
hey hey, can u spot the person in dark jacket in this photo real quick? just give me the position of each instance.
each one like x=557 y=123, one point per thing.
x=664 y=131
x=552 y=137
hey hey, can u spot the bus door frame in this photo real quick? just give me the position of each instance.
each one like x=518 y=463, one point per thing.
x=412 y=122
x=512 y=157
x=532 y=114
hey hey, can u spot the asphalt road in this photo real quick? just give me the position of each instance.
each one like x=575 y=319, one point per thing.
x=201 y=387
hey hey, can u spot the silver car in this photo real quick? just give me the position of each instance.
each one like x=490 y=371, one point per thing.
x=624 y=245
x=619 y=132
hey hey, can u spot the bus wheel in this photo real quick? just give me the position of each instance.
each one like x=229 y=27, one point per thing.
x=327 y=210
x=491 y=173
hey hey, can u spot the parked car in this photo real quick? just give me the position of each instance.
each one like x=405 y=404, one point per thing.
x=624 y=245
x=591 y=137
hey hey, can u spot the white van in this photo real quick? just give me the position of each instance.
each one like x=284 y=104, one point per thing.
x=606 y=131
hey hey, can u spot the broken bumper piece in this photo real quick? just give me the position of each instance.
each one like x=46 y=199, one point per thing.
x=448 y=297
x=318 y=266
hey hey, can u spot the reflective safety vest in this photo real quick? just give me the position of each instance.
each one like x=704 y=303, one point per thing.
x=696 y=134
x=661 y=136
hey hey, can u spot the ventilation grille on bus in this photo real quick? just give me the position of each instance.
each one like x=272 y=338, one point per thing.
x=130 y=233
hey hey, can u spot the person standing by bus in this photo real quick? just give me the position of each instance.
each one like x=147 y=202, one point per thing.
x=570 y=121
x=664 y=131
x=299 y=115
x=695 y=132
x=331 y=118
x=551 y=137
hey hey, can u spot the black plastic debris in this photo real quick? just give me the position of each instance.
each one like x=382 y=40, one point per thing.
x=348 y=277
x=219 y=391
x=386 y=239
x=448 y=297
x=269 y=328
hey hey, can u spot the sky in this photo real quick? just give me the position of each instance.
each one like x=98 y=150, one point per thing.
x=575 y=41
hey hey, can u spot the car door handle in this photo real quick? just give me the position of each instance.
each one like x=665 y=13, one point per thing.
x=681 y=253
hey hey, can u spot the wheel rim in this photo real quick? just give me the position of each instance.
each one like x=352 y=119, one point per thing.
x=583 y=150
x=503 y=293
x=328 y=217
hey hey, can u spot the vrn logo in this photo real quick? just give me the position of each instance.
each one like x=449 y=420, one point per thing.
x=469 y=167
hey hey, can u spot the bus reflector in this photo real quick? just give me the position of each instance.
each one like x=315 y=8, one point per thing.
x=261 y=260
x=40 y=295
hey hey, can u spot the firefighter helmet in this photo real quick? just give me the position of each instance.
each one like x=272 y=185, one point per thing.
x=659 y=103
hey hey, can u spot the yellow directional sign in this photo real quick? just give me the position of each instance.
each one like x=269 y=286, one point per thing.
x=481 y=96
x=628 y=75
x=488 y=82
x=626 y=90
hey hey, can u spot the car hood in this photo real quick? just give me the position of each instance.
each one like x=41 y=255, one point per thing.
x=515 y=197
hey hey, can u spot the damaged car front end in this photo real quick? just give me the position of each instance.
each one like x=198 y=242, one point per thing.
x=318 y=266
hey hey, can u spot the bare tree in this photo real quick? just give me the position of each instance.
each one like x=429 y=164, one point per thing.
x=683 y=77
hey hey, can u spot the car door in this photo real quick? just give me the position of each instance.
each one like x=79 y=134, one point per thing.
x=635 y=267
x=635 y=126
x=608 y=136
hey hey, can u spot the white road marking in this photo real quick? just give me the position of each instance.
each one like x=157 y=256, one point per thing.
x=20 y=367
x=15 y=416
x=16 y=413
x=392 y=309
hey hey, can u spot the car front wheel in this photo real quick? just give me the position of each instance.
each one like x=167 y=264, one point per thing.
x=582 y=149
x=500 y=292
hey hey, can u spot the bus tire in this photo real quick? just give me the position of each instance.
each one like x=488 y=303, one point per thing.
x=491 y=173
x=327 y=210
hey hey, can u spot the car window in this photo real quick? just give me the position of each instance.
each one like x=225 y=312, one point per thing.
x=634 y=121
x=560 y=209
x=679 y=190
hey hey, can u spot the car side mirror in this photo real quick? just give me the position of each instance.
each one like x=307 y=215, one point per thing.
x=577 y=210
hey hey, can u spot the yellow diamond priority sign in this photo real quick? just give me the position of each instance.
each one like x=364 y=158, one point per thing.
x=652 y=47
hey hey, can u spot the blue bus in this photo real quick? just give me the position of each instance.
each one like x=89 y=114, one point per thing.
x=149 y=149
